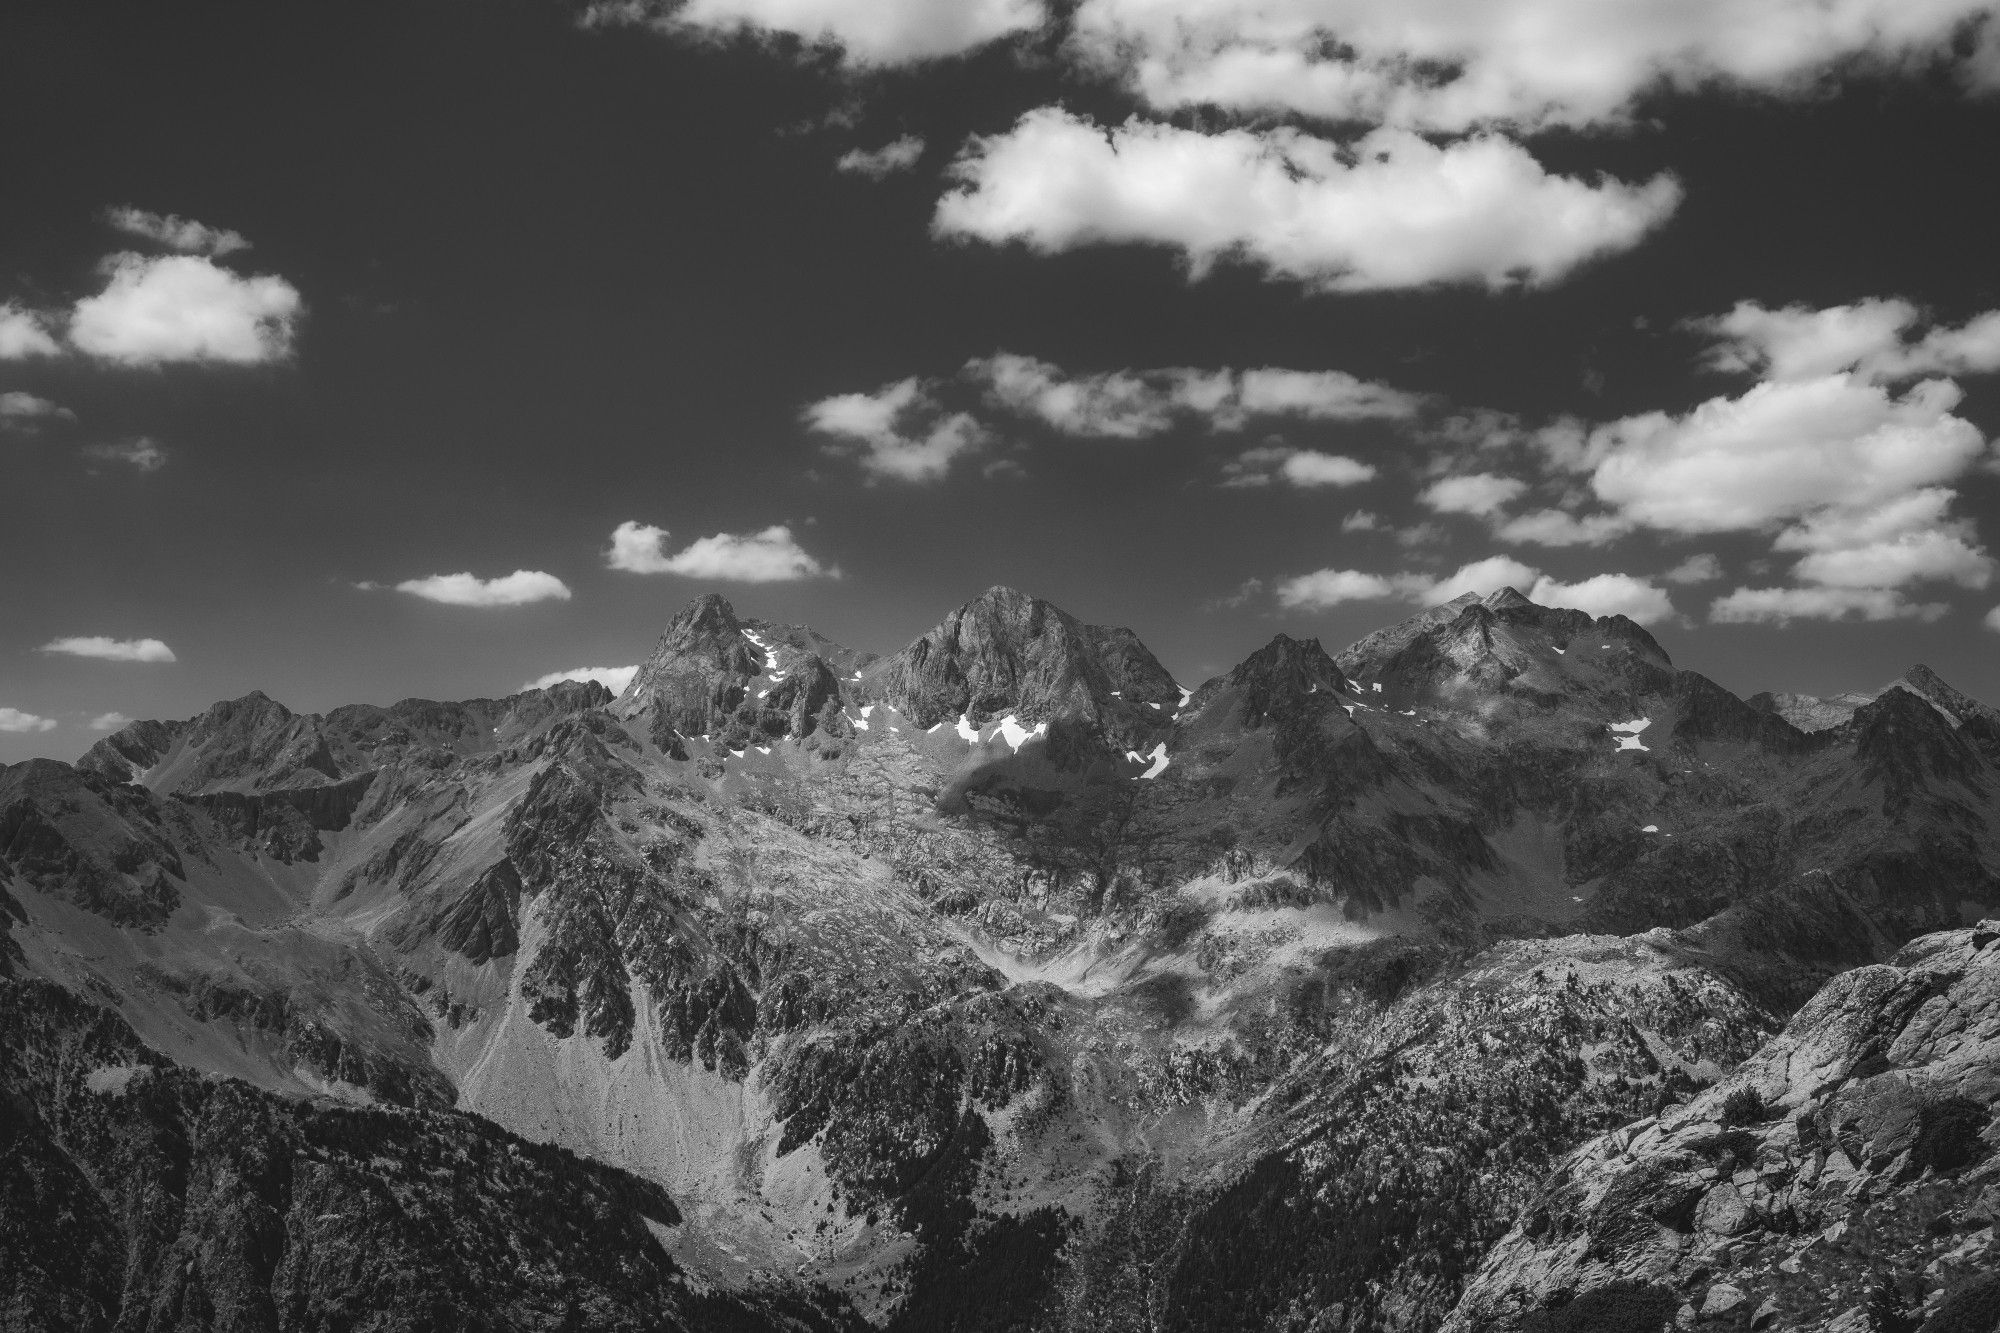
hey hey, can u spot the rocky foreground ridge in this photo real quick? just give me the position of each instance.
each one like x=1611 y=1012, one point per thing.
x=1000 y=982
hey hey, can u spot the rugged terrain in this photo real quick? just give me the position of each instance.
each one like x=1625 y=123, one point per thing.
x=999 y=982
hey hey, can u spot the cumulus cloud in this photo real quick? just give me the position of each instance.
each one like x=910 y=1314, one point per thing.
x=169 y=308
x=1134 y=404
x=614 y=679
x=25 y=333
x=1602 y=595
x=1480 y=493
x=1993 y=620
x=865 y=32
x=1871 y=338
x=1559 y=527
x=141 y=455
x=770 y=556
x=111 y=650
x=109 y=722
x=176 y=233
x=14 y=720
x=1701 y=568
x=1391 y=210
x=892 y=157
x=1306 y=469
x=1781 y=605
x=1607 y=595
x=520 y=588
x=1452 y=65
x=899 y=432
x=26 y=414
x=1361 y=520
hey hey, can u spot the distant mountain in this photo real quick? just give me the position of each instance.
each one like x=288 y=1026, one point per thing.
x=997 y=982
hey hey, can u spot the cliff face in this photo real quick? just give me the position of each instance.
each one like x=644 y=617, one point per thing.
x=1842 y=1178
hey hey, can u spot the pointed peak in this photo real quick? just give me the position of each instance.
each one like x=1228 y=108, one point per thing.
x=1505 y=597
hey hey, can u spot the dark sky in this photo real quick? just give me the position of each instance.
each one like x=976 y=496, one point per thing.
x=556 y=278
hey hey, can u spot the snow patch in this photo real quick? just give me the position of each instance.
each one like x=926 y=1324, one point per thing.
x=1650 y=828
x=113 y=1080
x=966 y=729
x=1377 y=687
x=1016 y=734
x=1158 y=758
x=1629 y=737
x=1562 y=651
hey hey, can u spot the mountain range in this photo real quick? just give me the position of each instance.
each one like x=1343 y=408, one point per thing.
x=1490 y=973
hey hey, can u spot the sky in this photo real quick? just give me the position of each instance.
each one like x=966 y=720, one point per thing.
x=435 y=348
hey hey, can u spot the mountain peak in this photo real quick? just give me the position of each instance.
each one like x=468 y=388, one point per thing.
x=1505 y=597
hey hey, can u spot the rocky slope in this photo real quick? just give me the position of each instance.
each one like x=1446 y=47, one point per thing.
x=1842 y=1178
x=945 y=984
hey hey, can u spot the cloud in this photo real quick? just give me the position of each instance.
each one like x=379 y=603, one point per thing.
x=1780 y=451
x=25 y=414
x=522 y=587
x=176 y=233
x=1361 y=520
x=1452 y=65
x=1481 y=576
x=866 y=32
x=109 y=722
x=141 y=454
x=899 y=432
x=1134 y=404
x=1480 y=494
x=1392 y=210
x=770 y=556
x=892 y=157
x=614 y=679
x=111 y=650
x=1993 y=620
x=170 y=308
x=14 y=720
x=1703 y=568
x=1305 y=469
x=1870 y=338
x=24 y=333
x=1327 y=588
x=1558 y=527
x=1607 y=595
x=1781 y=605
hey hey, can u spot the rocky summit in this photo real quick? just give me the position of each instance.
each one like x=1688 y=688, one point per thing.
x=1491 y=973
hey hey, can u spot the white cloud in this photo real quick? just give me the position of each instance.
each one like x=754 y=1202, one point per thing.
x=184 y=308
x=892 y=157
x=871 y=429
x=176 y=233
x=1993 y=620
x=1781 y=451
x=866 y=32
x=141 y=455
x=1481 y=576
x=1607 y=595
x=14 y=720
x=1306 y=469
x=1780 y=605
x=520 y=588
x=109 y=722
x=1557 y=527
x=770 y=556
x=1361 y=520
x=26 y=413
x=1451 y=65
x=1870 y=338
x=111 y=650
x=1330 y=587
x=614 y=679
x=24 y=333
x=1480 y=494
x=1133 y=404
x=1702 y=568
x=1392 y=210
